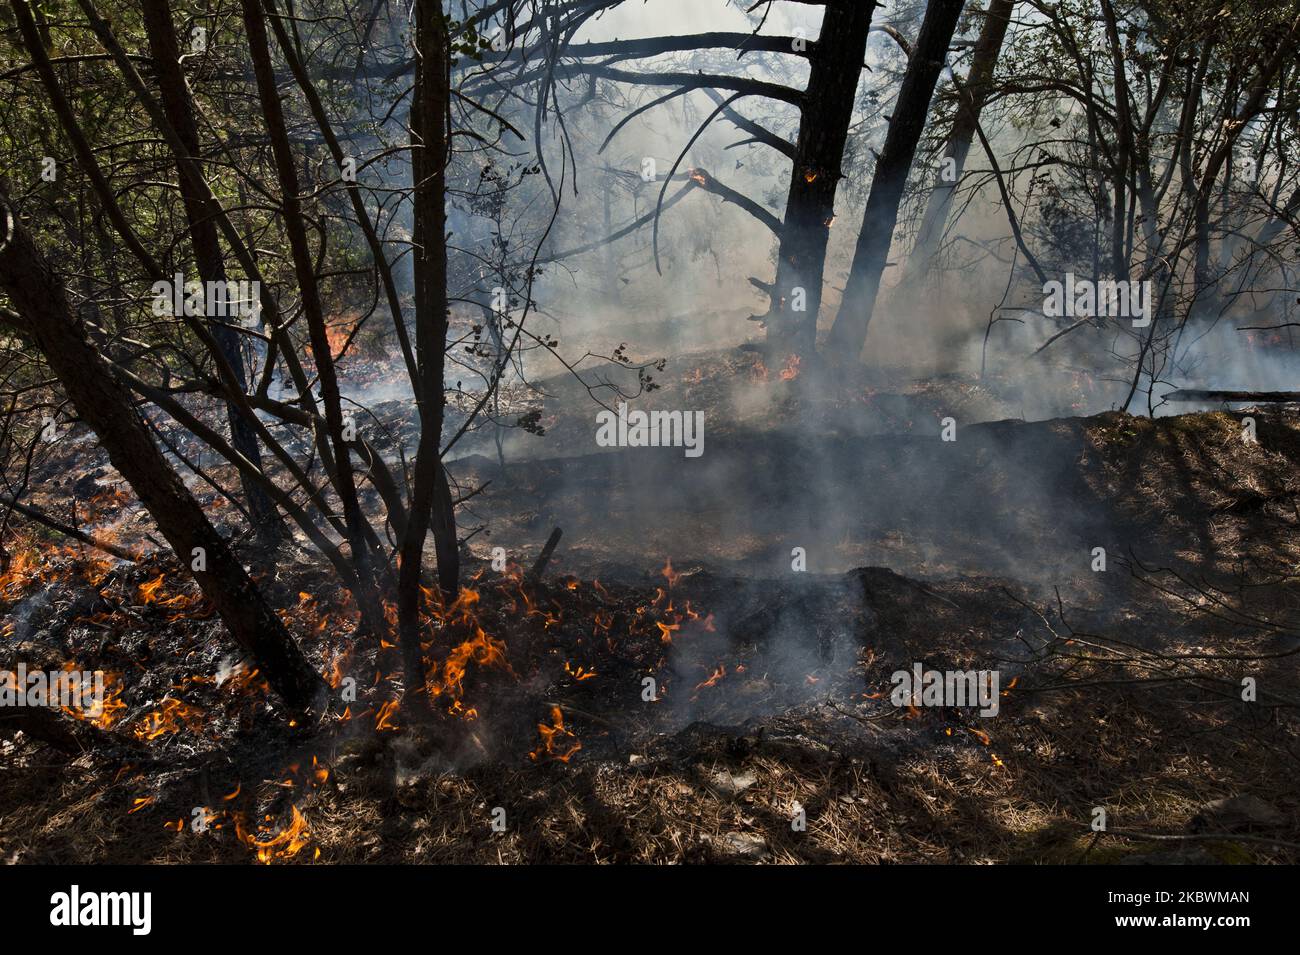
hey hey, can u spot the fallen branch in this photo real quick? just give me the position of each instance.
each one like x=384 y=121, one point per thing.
x=67 y=530
x=1061 y=334
x=1196 y=394
x=544 y=558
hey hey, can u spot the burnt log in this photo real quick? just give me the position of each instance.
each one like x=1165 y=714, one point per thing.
x=544 y=558
x=1198 y=394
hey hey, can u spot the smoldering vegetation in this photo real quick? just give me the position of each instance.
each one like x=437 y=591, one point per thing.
x=827 y=229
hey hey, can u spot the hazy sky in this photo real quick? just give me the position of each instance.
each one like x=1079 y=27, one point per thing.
x=673 y=17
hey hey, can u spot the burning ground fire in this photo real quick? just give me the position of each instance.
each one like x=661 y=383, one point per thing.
x=466 y=643
x=568 y=649
x=789 y=371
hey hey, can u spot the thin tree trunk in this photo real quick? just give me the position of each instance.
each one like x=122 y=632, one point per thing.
x=106 y=406
x=970 y=103
x=1124 y=144
x=233 y=391
x=849 y=332
x=372 y=621
x=207 y=249
x=241 y=249
x=1256 y=98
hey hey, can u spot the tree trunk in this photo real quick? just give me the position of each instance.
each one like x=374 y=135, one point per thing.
x=969 y=106
x=835 y=66
x=431 y=504
x=207 y=249
x=105 y=405
x=849 y=332
x=1123 y=145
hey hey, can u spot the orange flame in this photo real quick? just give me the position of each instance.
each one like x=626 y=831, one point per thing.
x=170 y=718
x=270 y=844
x=151 y=593
x=384 y=718
x=109 y=711
x=558 y=743
x=579 y=674
x=718 y=674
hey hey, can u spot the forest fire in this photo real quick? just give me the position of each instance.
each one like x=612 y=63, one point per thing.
x=669 y=574
x=579 y=673
x=480 y=649
x=789 y=370
x=385 y=719
x=27 y=569
x=339 y=332
x=19 y=574
x=714 y=677
x=151 y=593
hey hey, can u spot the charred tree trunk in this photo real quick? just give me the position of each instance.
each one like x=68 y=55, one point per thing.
x=207 y=248
x=40 y=298
x=431 y=504
x=970 y=103
x=359 y=532
x=849 y=332
x=827 y=110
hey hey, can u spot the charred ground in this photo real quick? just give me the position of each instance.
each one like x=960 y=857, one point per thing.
x=1119 y=689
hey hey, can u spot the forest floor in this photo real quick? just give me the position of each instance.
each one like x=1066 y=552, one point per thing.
x=768 y=733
